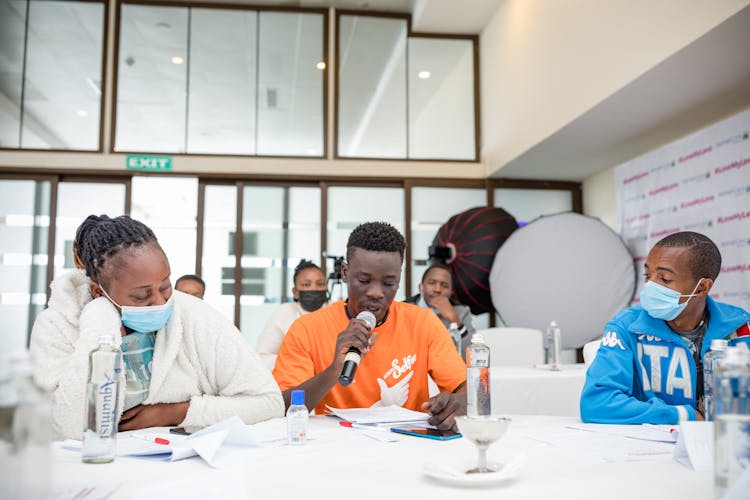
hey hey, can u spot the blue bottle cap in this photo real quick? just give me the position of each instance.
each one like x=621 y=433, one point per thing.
x=298 y=397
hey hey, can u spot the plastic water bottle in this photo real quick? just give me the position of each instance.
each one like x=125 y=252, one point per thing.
x=25 y=431
x=731 y=419
x=709 y=366
x=478 y=377
x=553 y=345
x=455 y=335
x=102 y=396
x=297 y=417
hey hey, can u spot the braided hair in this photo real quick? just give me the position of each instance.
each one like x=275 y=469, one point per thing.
x=100 y=238
x=304 y=264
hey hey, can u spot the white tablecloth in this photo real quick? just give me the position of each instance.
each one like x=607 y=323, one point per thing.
x=343 y=463
x=537 y=391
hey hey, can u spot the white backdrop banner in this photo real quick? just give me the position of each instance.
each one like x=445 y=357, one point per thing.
x=699 y=183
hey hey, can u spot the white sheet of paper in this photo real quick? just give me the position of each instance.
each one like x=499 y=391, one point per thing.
x=663 y=433
x=695 y=445
x=609 y=447
x=380 y=414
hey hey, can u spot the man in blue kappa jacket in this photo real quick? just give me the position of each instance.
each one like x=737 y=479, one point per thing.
x=650 y=364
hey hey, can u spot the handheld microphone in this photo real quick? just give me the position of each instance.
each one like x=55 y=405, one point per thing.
x=353 y=356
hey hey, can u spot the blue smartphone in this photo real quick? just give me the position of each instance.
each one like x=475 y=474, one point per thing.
x=438 y=434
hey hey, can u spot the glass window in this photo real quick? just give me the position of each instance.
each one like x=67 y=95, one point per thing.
x=12 y=35
x=441 y=98
x=221 y=102
x=63 y=71
x=273 y=244
x=169 y=206
x=218 y=261
x=224 y=81
x=24 y=220
x=372 y=87
x=151 y=79
x=75 y=202
x=528 y=204
x=290 y=84
x=346 y=210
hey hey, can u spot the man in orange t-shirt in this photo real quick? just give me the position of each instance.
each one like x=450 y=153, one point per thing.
x=407 y=343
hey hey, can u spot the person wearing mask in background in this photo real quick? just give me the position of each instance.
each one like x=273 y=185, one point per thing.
x=649 y=366
x=407 y=343
x=310 y=294
x=185 y=364
x=191 y=284
x=436 y=293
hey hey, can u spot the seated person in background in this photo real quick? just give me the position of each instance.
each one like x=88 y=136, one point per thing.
x=185 y=364
x=407 y=344
x=650 y=364
x=310 y=294
x=191 y=284
x=435 y=292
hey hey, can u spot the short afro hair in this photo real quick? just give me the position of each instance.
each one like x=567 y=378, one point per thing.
x=437 y=265
x=376 y=237
x=705 y=258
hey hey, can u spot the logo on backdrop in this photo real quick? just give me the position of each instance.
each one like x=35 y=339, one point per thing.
x=696 y=154
x=735 y=165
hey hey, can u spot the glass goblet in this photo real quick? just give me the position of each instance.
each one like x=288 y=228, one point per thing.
x=482 y=431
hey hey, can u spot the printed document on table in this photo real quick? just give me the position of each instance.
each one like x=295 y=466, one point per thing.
x=380 y=415
x=695 y=446
x=609 y=447
x=213 y=444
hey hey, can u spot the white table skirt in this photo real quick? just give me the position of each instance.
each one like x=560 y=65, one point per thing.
x=537 y=391
x=343 y=463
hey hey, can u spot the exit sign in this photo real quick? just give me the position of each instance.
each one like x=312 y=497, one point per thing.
x=149 y=162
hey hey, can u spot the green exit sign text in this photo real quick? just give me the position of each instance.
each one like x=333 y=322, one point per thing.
x=149 y=162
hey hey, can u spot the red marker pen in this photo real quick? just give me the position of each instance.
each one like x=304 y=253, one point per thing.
x=153 y=439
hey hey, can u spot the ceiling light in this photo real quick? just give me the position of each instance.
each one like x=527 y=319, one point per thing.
x=321 y=65
x=177 y=60
x=424 y=74
x=82 y=113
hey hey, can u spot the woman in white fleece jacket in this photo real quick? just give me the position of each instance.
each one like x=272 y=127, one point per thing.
x=198 y=368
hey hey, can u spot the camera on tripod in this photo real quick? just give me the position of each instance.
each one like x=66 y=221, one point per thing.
x=335 y=286
x=335 y=275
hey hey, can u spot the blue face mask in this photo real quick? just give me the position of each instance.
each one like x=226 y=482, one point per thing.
x=144 y=319
x=661 y=302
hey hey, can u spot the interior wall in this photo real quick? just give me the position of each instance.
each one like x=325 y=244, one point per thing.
x=544 y=63
x=599 y=198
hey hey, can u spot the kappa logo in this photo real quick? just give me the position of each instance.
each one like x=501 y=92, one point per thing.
x=610 y=340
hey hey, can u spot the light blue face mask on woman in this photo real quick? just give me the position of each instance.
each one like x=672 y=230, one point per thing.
x=144 y=319
x=661 y=302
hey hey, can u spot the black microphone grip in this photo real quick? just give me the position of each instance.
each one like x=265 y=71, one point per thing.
x=353 y=356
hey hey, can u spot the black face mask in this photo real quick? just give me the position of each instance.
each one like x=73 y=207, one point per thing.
x=312 y=300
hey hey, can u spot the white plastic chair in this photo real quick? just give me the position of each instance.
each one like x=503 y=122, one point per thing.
x=589 y=351
x=514 y=346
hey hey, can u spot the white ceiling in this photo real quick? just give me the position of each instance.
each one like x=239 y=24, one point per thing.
x=700 y=84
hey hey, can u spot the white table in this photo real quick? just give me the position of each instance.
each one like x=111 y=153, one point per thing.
x=537 y=391
x=343 y=463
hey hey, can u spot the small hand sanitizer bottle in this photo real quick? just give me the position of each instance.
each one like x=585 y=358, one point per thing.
x=297 y=418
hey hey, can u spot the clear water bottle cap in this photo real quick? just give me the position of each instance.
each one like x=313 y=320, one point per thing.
x=105 y=338
x=719 y=344
x=477 y=338
x=298 y=397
